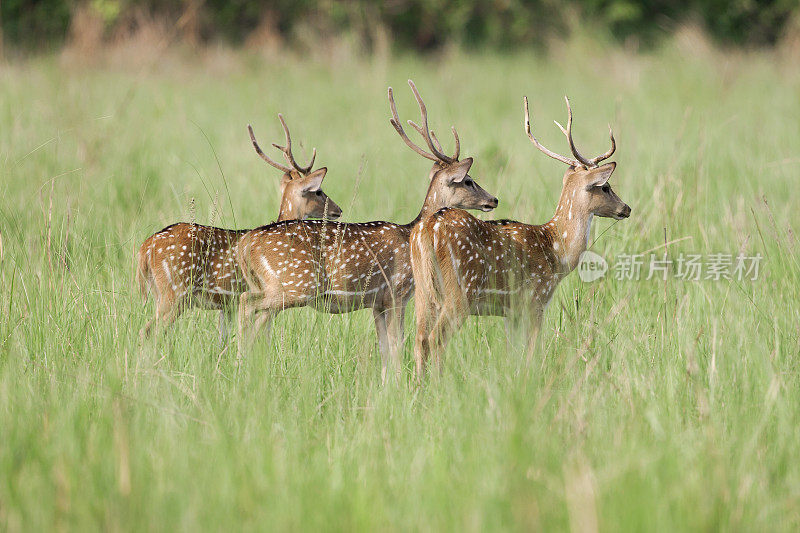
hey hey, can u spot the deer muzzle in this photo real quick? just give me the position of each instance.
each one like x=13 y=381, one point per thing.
x=625 y=212
x=491 y=204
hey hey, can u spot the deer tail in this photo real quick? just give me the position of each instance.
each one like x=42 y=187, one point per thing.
x=143 y=273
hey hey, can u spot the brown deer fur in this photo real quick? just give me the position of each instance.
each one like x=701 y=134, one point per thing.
x=465 y=266
x=338 y=268
x=190 y=265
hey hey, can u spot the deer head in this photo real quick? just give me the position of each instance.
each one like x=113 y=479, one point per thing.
x=585 y=184
x=301 y=193
x=450 y=182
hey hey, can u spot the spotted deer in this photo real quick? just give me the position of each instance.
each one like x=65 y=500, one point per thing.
x=338 y=268
x=189 y=265
x=464 y=266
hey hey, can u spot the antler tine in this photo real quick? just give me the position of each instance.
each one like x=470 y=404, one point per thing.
x=395 y=121
x=263 y=155
x=457 y=153
x=611 y=150
x=287 y=150
x=595 y=160
x=425 y=130
x=436 y=141
x=585 y=162
x=570 y=162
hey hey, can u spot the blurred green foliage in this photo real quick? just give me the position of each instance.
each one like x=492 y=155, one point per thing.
x=25 y=21
x=413 y=24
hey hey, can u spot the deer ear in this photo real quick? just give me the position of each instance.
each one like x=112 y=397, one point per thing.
x=459 y=170
x=599 y=176
x=313 y=181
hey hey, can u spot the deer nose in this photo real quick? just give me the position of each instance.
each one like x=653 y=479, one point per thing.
x=491 y=204
x=626 y=211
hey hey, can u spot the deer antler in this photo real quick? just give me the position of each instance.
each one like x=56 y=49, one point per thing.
x=568 y=161
x=395 y=121
x=287 y=150
x=436 y=152
x=264 y=156
x=588 y=163
x=439 y=145
x=611 y=150
x=426 y=133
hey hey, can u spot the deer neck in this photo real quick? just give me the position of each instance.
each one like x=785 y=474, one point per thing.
x=434 y=201
x=287 y=211
x=570 y=229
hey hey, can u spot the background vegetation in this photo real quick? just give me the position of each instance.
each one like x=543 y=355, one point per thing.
x=648 y=405
x=416 y=24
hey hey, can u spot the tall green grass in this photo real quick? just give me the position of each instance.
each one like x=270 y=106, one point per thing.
x=649 y=405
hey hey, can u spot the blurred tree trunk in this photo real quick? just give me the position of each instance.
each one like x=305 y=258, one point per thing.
x=189 y=22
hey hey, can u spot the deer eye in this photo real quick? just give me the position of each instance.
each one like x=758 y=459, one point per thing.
x=318 y=192
x=468 y=182
x=606 y=187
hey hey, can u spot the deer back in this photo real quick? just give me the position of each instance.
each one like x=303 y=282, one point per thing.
x=339 y=266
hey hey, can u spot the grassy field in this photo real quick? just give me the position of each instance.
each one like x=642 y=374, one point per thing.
x=649 y=405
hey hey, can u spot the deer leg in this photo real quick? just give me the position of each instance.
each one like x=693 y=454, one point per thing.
x=264 y=323
x=163 y=300
x=431 y=338
x=223 y=328
x=422 y=347
x=422 y=351
x=534 y=326
x=145 y=332
x=515 y=332
x=167 y=311
x=171 y=314
x=509 y=329
x=397 y=320
x=448 y=322
x=383 y=340
x=225 y=320
x=247 y=302
x=396 y=330
x=266 y=304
